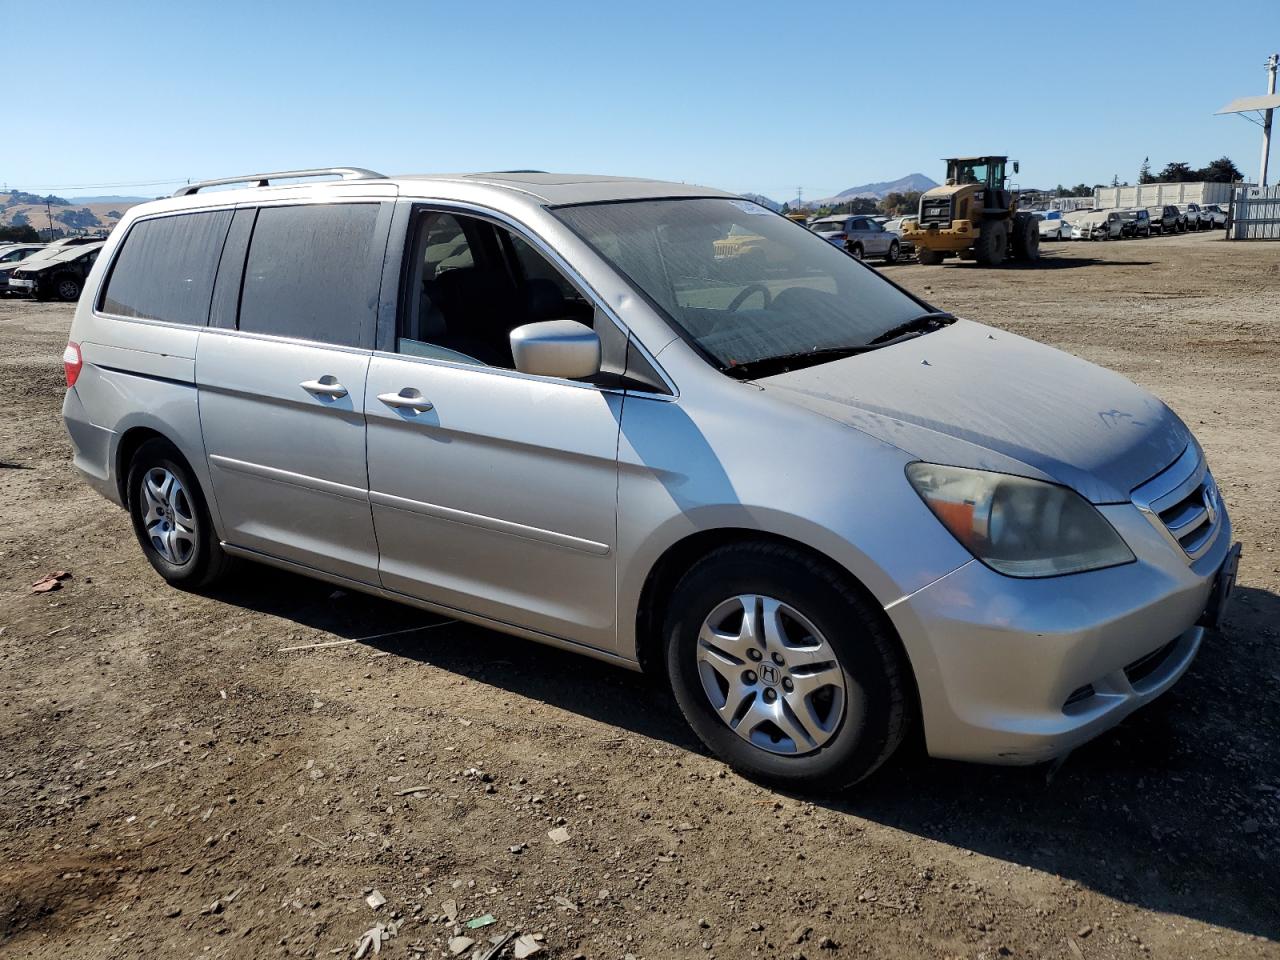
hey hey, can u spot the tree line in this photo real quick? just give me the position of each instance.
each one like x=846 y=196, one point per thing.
x=1222 y=170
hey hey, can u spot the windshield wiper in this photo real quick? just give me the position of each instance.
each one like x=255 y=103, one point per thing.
x=925 y=323
x=793 y=361
x=782 y=363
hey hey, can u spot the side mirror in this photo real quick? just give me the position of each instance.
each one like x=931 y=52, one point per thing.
x=1015 y=166
x=556 y=348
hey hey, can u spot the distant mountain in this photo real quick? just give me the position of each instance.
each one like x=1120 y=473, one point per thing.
x=880 y=190
x=764 y=201
x=127 y=201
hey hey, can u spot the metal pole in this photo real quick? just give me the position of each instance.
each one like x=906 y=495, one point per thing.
x=1272 y=62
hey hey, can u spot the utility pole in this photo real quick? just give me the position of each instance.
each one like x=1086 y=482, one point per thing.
x=48 y=212
x=1272 y=63
x=799 y=197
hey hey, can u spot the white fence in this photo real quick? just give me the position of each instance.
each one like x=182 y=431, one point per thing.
x=1255 y=214
x=1158 y=194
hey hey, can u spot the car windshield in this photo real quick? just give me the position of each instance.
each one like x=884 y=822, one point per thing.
x=741 y=283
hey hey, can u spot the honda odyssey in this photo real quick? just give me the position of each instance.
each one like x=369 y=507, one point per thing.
x=823 y=509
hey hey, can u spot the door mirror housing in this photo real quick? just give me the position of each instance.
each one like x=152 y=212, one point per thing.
x=1015 y=166
x=556 y=348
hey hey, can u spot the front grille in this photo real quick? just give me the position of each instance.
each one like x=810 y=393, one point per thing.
x=1182 y=502
x=936 y=210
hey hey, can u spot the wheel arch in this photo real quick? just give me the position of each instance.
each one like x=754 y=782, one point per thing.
x=680 y=557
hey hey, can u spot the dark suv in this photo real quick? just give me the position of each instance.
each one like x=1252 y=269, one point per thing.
x=1166 y=219
x=1136 y=223
x=57 y=273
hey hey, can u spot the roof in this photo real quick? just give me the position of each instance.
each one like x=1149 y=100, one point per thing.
x=1266 y=101
x=564 y=188
x=53 y=254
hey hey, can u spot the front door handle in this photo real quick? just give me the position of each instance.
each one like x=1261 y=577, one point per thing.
x=407 y=399
x=326 y=386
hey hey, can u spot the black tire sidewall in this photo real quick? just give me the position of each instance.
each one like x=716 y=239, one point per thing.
x=895 y=250
x=859 y=745
x=161 y=453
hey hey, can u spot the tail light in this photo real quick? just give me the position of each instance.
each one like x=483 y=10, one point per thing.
x=840 y=236
x=72 y=362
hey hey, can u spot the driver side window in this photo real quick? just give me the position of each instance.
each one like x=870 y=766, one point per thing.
x=471 y=283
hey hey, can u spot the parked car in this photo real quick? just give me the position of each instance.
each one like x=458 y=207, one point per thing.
x=1217 y=216
x=1053 y=226
x=1135 y=223
x=860 y=236
x=894 y=226
x=1100 y=225
x=12 y=254
x=552 y=437
x=1196 y=219
x=56 y=273
x=1165 y=219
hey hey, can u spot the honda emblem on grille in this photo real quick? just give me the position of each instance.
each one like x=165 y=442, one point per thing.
x=1211 y=499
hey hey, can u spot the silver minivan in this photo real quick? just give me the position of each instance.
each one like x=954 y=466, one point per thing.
x=587 y=411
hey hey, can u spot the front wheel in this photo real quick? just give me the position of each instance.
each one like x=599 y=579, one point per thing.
x=894 y=250
x=67 y=289
x=929 y=258
x=170 y=518
x=783 y=670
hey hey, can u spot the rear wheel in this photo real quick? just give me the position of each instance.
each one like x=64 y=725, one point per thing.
x=783 y=670
x=170 y=518
x=993 y=243
x=930 y=258
x=855 y=251
x=1026 y=240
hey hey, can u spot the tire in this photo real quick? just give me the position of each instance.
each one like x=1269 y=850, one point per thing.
x=1026 y=239
x=930 y=258
x=854 y=723
x=855 y=251
x=993 y=243
x=162 y=513
x=66 y=289
x=895 y=251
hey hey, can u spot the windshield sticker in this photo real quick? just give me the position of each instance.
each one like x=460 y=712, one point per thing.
x=746 y=206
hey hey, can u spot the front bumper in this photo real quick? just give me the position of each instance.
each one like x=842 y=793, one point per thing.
x=1021 y=671
x=959 y=236
x=21 y=285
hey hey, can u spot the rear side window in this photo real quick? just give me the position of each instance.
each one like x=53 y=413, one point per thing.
x=313 y=273
x=166 y=267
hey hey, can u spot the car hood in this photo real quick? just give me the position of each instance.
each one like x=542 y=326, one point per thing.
x=973 y=396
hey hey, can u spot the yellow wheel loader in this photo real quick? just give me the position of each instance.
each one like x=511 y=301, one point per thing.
x=974 y=216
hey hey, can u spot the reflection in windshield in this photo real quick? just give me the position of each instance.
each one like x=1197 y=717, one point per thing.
x=741 y=283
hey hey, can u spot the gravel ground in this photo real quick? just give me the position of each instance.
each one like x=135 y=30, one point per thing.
x=170 y=782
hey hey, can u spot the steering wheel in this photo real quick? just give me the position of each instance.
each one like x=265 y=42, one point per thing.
x=748 y=291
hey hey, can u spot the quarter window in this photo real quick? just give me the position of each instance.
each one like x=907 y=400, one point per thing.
x=166 y=267
x=314 y=273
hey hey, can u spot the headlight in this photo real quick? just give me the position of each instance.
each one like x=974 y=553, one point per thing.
x=1018 y=526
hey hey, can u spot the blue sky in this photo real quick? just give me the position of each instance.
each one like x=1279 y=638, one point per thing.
x=744 y=96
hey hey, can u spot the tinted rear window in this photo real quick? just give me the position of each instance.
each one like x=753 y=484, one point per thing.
x=313 y=273
x=166 y=267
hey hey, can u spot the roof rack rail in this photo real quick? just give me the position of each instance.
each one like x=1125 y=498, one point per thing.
x=264 y=179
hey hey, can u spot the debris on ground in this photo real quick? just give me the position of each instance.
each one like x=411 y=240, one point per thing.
x=50 y=581
x=459 y=945
x=450 y=910
x=375 y=900
x=559 y=835
x=526 y=945
x=482 y=921
x=373 y=939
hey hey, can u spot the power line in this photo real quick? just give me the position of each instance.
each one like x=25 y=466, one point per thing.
x=98 y=186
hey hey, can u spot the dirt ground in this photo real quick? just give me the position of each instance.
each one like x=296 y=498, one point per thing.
x=172 y=784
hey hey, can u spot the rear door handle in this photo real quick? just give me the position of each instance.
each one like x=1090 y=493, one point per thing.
x=407 y=399
x=326 y=386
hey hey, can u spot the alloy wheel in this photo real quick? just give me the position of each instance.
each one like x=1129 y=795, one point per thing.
x=771 y=675
x=168 y=518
